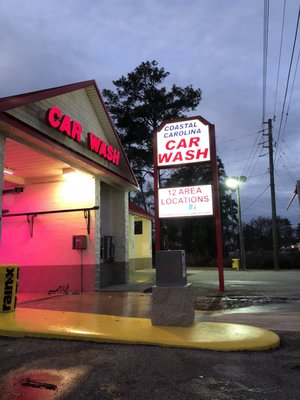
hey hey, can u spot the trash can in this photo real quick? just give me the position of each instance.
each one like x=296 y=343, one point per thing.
x=9 y=279
x=236 y=264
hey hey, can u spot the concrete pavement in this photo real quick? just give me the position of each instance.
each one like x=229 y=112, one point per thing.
x=248 y=283
x=275 y=296
x=88 y=316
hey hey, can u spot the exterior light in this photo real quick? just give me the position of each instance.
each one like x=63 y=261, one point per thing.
x=67 y=171
x=8 y=171
x=232 y=183
x=72 y=175
x=77 y=188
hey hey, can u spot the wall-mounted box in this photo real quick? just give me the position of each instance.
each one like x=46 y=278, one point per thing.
x=79 y=242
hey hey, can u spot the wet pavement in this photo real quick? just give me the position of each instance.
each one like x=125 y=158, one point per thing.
x=268 y=299
x=72 y=370
x=127 y=304
x=273 y=283
x=246 y=303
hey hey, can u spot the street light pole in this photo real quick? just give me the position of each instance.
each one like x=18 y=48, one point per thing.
x=234 y=184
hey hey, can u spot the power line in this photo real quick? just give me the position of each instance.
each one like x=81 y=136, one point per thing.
x=235 y=161
x=265 y=56
x=279 y=61
x=284 y=158
x=290 y=149
x=293 y=84
x=283 y=182
x=234 y=139
x=292 y=166
x=257 y=198
x=252 y=155
x=288 y=79
x=252 y=166
x=262 y=174
x=286 y=170
x=289 y=103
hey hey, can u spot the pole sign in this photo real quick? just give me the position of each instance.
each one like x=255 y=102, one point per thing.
x=187 y=201
x=183 y=143
x=178 y=143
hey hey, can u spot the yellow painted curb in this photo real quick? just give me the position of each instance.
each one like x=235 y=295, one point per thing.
x=107 y=328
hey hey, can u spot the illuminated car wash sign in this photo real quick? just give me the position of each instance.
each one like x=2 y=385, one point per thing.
x=73 y=129
x=182 y=143
x=188 y=201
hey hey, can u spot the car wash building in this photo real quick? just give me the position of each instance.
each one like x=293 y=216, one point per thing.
x=64 y=193
x=140 y=238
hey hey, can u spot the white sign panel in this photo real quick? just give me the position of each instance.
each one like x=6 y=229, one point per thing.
x=188 y=201
x=182 y=143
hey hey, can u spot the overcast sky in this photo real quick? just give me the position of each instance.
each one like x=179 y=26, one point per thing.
x=215 y=45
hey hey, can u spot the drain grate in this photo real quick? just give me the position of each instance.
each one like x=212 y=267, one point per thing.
x=37 y=384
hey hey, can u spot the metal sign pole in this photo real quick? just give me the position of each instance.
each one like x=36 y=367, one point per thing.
x=156 y=184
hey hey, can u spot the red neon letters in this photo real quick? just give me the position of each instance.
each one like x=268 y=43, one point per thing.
x=99 y=146
x=73 y=129
x=63 y=123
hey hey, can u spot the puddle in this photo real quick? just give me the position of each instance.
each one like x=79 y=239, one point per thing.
x=32 y=385
x=227 y=303
x=40 y=384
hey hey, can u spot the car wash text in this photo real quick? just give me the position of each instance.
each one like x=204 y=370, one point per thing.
x=182 y=143
x=73 y=129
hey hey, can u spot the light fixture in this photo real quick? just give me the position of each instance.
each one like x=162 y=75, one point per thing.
x=234 y=183
x=75 y=175
x=66 y=171
x=77 y=187
x=8 y=171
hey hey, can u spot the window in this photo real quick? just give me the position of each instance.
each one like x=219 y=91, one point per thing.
x=138 y=227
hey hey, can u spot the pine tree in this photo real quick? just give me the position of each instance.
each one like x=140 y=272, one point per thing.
x=138 y=106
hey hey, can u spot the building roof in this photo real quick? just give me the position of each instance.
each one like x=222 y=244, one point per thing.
x=11 y=124
x=134 y=209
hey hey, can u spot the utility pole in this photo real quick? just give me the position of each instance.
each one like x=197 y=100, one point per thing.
x=273 y=200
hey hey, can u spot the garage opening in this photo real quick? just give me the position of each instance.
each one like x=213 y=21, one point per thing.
x=47 y=205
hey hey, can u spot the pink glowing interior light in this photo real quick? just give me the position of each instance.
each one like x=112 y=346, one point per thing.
x=8 y=171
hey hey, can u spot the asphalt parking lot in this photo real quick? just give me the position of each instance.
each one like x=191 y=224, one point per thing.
x=94 y=371
x=42 y=369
